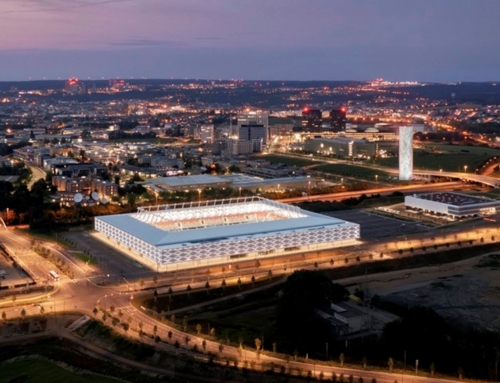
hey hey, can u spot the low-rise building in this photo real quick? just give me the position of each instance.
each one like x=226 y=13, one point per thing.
x=453 y=205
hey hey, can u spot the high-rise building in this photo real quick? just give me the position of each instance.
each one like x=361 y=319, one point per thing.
x=405 y=153
x=254 y=118
x=338 y=119
x=253 y=132
x=311 y=120
x=207 y=133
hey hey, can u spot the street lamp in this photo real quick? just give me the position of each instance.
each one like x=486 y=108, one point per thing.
x=376 y=177
x=240 y=191
x=199 y=195
x=465 y=168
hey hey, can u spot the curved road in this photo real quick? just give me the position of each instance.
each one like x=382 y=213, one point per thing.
x=37 y=173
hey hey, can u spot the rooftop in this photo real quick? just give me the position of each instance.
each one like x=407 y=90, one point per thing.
x=455 y=199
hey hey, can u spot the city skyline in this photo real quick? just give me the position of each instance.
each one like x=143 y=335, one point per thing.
x=322 y=40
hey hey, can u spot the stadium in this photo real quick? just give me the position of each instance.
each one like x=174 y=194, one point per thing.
x=203 y=233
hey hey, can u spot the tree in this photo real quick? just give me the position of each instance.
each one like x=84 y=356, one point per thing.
x=104 y=317
x=185 y=322
x=170 y=334
x=253 y=280
x=258 y=343
x=270 y=274
x=460 y=372
x=198 y=329
x=170 y=291
x=204 y=344
x=4 y=315
x=141 y=325
x=364 y=361
x=303 y=292
x=390 y=364
x=23 y=313
x=155 y=280
x=111 y=309
x=432 y=368
x=188 y=289
x=341 y=359
x=95 y=311
x=223 y=284
x=240 y=350
x=239 y=283
x=207 y=286
x=155 y=329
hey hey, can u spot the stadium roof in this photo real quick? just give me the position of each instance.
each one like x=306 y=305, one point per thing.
x=161 y=238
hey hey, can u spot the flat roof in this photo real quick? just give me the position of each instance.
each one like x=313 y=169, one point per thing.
x=179 y=181
x=454 y=199
x=157 y=237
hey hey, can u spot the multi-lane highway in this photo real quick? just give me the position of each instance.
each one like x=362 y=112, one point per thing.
x=442 y=186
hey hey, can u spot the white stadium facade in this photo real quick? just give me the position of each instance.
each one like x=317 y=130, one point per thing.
x=193 y=234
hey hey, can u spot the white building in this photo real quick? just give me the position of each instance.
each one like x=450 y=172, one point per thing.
x=222 y=231
x=405 y=153
x=454 y=205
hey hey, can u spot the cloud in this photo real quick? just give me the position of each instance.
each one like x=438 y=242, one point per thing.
x=208 y=38
x=58 y=5
x=143 y=43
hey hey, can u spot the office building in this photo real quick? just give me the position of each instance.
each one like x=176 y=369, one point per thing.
x=312 y=120
x=338 y=119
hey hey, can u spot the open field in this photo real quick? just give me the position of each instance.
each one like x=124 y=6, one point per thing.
x=450 y=158
x=465 y=293
x=291 y=161
x=33 y=370
x=353 y=171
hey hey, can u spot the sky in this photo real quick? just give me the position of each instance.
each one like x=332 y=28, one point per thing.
x=418 y=40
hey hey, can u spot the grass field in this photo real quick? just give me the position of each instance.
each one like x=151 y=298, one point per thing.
x=36 y=371
x=352 y=171
x=290 y=161
x=451 y=158
x=85 y=258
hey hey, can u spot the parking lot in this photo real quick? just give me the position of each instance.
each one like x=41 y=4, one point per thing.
x=377 y=226
x=9 y=275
